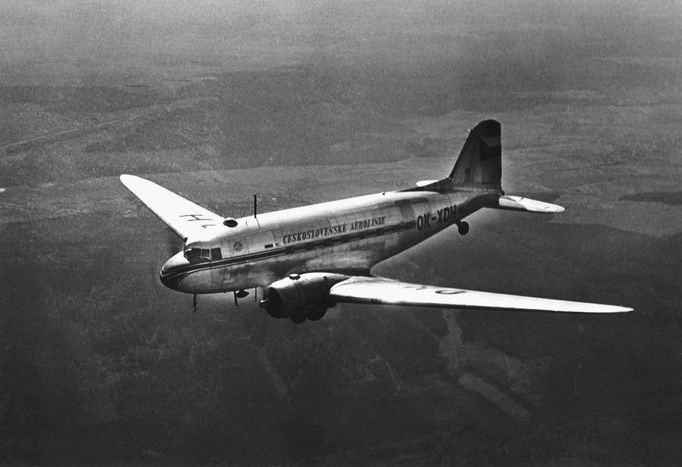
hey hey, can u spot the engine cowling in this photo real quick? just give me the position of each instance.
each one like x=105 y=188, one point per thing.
x=300 y=297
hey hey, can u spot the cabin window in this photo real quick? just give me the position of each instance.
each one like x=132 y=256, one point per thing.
x=216 y=254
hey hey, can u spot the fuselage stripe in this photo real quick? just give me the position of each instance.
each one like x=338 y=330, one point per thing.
x=271 y=253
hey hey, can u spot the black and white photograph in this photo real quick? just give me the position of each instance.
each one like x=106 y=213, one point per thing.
x=292 y=232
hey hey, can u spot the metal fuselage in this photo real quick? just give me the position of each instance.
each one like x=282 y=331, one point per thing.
x=344 y=236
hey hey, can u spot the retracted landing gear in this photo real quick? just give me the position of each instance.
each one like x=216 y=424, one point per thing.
x=463 y=227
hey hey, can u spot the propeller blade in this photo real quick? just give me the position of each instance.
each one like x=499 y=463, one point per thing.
x=173 y=243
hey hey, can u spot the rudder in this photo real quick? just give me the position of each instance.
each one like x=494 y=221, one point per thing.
x=479 y=163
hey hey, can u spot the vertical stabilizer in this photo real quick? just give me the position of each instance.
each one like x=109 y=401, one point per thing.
x=479 y=164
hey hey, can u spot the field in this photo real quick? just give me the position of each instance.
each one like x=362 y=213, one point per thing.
x=99 y=363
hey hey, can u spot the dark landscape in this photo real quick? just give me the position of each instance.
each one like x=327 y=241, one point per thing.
x=314 y=101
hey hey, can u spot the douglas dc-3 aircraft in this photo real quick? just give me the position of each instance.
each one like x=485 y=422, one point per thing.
x=309 y=258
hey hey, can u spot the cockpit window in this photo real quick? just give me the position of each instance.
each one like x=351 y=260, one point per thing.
x=198 y=254
x=193 y=253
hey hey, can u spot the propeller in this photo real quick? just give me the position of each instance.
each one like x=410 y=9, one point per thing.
x=173 y=243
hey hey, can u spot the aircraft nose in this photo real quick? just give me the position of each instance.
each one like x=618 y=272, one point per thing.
x=173 y=271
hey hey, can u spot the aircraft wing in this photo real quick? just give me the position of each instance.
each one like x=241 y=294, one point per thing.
x=376 y=290
x=184 y=217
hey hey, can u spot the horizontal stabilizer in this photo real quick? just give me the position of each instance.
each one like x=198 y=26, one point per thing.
x=185 y=218
x=423 y=183
x=519 y=203
x=376 y=290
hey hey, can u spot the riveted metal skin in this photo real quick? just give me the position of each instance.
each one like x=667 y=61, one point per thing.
x=346 y=236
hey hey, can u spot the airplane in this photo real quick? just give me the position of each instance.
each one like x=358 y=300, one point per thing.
x=307 y=259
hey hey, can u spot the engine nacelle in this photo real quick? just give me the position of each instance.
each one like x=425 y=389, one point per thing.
x=300 y=297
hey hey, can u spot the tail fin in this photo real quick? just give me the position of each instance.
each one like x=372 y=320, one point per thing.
x=479 y=169
x=479 y=164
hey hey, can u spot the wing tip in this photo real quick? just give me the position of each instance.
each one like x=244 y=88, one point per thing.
x=127 y=179
x=597 y=308
x=133 y=182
